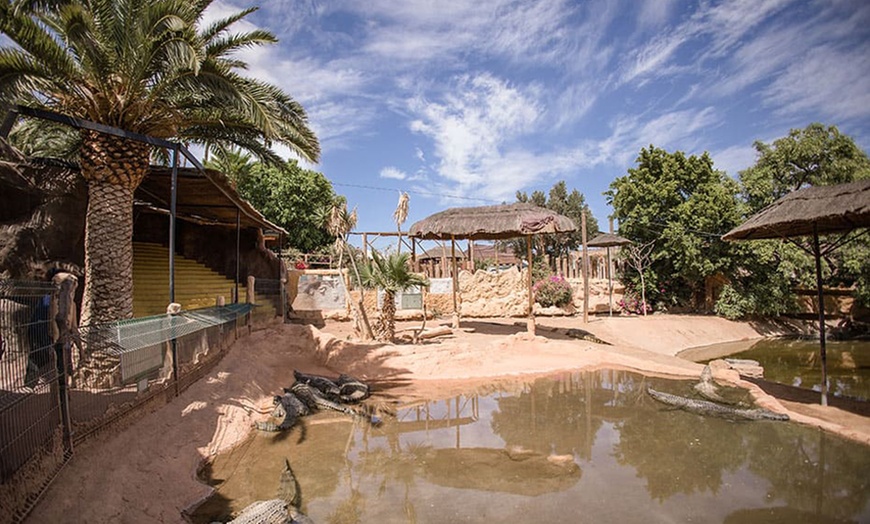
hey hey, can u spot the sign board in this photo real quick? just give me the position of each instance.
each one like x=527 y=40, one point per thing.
x=440 y=286
x=410 y=299
x=320 y=292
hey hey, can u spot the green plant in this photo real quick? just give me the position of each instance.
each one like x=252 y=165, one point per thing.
x=553 y=291
x=392 y=274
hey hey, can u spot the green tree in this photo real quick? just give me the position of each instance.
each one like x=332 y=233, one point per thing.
x=683 y=205
x=813 y=156
x=392 y=274
x=292 y=197
x=572 y=205
x=150 y=67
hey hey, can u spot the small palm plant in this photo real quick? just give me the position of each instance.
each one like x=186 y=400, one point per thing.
x=392 y=274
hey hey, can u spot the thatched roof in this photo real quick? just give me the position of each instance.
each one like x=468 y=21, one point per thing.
x=834 y=209
x=439 y=252
x=491 y=223
x=608 y=240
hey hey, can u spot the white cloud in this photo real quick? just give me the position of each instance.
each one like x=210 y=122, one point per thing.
x=653 y=14
x=474 y=125
x=392 y=173
x=419 y=154
x=734 y=159
x=827 y=81
x=725 y=25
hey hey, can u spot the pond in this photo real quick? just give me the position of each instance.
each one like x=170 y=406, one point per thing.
x=576 y=447
x=796 y=362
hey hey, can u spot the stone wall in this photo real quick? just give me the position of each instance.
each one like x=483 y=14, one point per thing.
x=497 y=294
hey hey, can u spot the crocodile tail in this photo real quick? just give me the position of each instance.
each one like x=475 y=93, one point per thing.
x=288 y=488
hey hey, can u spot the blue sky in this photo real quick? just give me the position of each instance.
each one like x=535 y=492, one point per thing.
x=464 y=102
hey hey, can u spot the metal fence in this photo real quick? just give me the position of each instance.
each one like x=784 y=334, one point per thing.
x=30 y=432
x=57 y=390
x=271 y=299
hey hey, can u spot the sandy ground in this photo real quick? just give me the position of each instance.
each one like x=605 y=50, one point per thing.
x=146 y=473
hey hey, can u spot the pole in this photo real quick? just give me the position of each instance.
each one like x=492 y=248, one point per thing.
x=585 y=269
x=610 y=281
x=238 y=249
x=173 y=202
x=455 y=282
x=530 y=324
x=823 y=353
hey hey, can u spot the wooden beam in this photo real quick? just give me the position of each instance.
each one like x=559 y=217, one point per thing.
x=531 y=322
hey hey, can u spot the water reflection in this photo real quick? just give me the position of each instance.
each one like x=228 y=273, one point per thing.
x=590 y=444
x=796 y=362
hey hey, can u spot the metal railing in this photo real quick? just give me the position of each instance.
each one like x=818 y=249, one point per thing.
x=57 y=389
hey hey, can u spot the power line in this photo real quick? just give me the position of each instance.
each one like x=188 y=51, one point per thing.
x=427 y=193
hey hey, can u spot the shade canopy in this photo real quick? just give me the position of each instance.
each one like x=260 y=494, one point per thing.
x=608 y=240
x=491 y=223
x=812 y=211
x=204 y=197
x=832 y=209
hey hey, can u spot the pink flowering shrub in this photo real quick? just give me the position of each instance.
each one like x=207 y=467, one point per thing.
x=553 y=291
x=633 y=304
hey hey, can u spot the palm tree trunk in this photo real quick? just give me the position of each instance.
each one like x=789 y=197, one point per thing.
x=388 y=317
x=113 y=168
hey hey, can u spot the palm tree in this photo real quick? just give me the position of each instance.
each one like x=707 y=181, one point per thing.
x=339 y=223
x=150 y=67
x=390 y=273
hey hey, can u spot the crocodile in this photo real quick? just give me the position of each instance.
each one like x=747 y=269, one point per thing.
x=352 y=390
x=345 y=388
x=705 y=407
x=288 y=408
x=582 y=334
x=328 y=388
x=283 y=509
x=314 y=400
x=707 y=388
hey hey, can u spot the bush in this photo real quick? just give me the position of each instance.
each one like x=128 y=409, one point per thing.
x=631 y=303
x=553 y=291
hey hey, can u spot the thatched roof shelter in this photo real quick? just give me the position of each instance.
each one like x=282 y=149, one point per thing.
x=827 y=209
x=491 y=223
x=440 y=252
x=812 y=211
x=608 y=240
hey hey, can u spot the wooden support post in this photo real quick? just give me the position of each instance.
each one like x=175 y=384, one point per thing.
x=455 y=283
x=530 y=325
x=365 y=246
x=822 y=349
x=585 y=269
x=443 y=258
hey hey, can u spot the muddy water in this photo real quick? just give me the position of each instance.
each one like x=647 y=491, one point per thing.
x=796 y=362
x=577 y=447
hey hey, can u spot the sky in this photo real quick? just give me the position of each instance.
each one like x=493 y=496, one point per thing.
x=466 y=102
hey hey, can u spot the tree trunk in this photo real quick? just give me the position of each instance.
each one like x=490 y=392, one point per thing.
x=113 y=168
x=387 y=328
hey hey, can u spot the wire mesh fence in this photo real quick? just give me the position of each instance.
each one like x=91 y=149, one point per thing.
x=56 y=390
x=31 y=449
x=270 y=298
